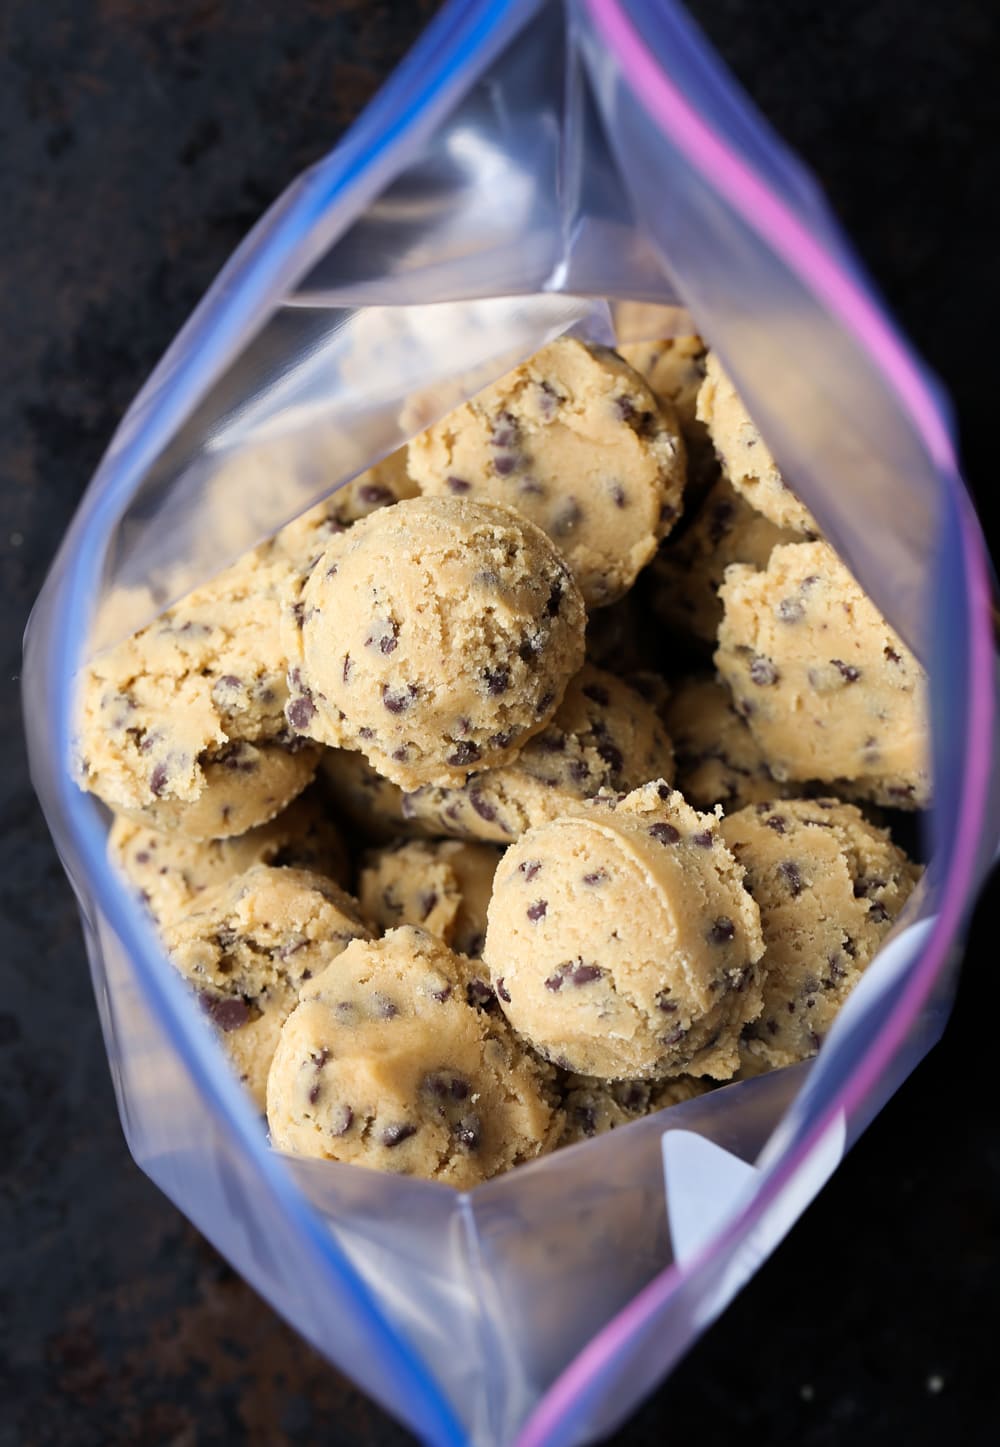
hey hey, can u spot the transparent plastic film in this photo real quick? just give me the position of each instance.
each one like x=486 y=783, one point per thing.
x=528 y=168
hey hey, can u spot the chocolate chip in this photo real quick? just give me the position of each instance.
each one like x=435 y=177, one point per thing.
x=554 y=982
x=497 y=680
x=791 y=610
x=502 y=740
x=878 y=912
x=566 y=517
x=529 y=868
x=669 y=1007
x=394 y=1135
x=228 y=1012
x=427 y=902
x=776 y=822
x=554 y=600
x=375 y=495
x=545 y=702
x=341 y=1121
x=502 y=990
x=595 y=877
x=458 y=485
x=441 y=995
x=667 y=512
x=299 y=614
x=465 y=752
x=722 y=931
x=763 y=672
x=792 y=876
x=300 y=711
x=366 y=733
x=891 y=655
x=398 y=701
x=505 y=463
x=582 y=974
x=617 y=494
x=158 y=779
x=847 y=671
x=538 y=910
x=469 y=1132
x=505 y=430
x=663 y=791
x=704 y=839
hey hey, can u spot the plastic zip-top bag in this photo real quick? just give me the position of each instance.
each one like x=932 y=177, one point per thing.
x=528 y=162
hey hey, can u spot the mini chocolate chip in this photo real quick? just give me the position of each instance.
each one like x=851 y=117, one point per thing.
x=664 y=833
x=722 y=931
x=388 y=643
x=891 y=655
x=537 y=911
x=469 y=1132
x=674 y=1036
x=465 y=752
x=428 y=900
x=497 y=680
x=315 y=1093
x=502 y=990
x=582 y=974
x=578 y=771
x=792 y=876
x=505 y=463
x=394 y=1135
x=505 y=430
x=482 y=807
x=847 y=671
x=595 y=877
x=531 y=487
x=374 y=494
x=479 y=995
x=777 y=823
x=612 y=756
x=441 y=995
x=545 y=702
x=529 y=868
x=300 y=711
x=398 y=701
x=667 y=512
x=554 y=983
x=617 y=494
x=458 y=485
x=566 y=518
x=791 y=610
x=669 y=1007
x=341 y=1121
x=228 y=1012
x=878 y=912
x=366 y=733
x=554 y=600
x=663 y=791
x=299 y=614
x=763 y=672
x=704 y=839
x=158 y=779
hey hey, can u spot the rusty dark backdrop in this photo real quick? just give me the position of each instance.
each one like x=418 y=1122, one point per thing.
x=141 y=138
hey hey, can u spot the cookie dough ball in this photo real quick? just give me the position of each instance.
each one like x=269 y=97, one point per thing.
x=169 y=870
x=443 y=887
x=684 y=578
x=388 y=482
x=674 y=368
x=384 y=1064
x=718 y=759
x=436 y=636
x=604 y=735
x=744 y=455
x=593 y=1107
x=621 y=942
x=828 y=689
x=175 y=717
x=576 y=441
x=247 y=950
x=360 y=795
x=829 y=886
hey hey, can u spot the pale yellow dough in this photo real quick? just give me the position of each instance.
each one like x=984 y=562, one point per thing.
x=828 y=689
x=829 y=886
x=442 y=886
x=744 y=455
x=718 y=759
x=385 y=1065
x=248 y=948
x=436 y=636
x=577 y=442
x=621 y=942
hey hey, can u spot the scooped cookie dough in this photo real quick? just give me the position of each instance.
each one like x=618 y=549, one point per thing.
x=576 y=441
x=674 y=368
x=684 y=578
x=384 y=1064
x=718 y=759
x=621 y=942
x=248 y=948
x=593 y=1107
x=828 y=689
x=829 y=886
x=744 y=455
x=388 y=482
x=175 y=715
x=604 y=735
x=436 y=636
x=170 y=870
x=443 y=887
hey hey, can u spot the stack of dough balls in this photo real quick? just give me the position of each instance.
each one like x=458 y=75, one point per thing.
x=534 y=782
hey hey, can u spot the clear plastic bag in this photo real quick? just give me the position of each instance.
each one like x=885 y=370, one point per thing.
x=527 y=161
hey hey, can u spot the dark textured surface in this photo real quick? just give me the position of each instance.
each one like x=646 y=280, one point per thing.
x=140 y=141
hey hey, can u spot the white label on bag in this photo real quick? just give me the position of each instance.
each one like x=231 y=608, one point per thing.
x=707 y=1186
